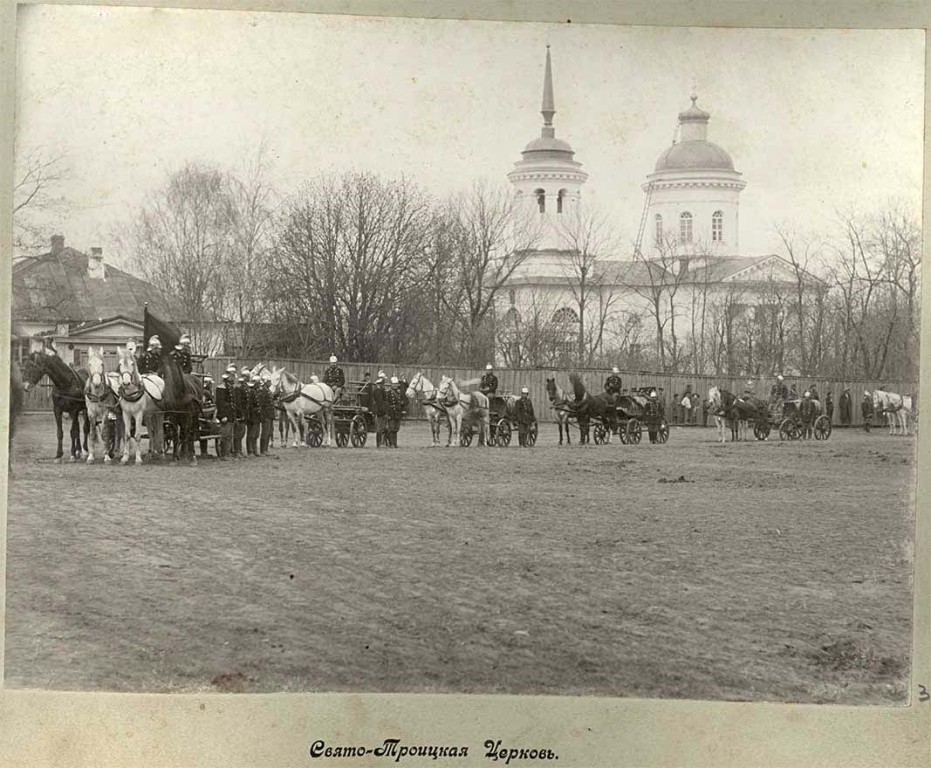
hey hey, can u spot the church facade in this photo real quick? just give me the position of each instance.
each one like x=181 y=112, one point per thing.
x=683 y=297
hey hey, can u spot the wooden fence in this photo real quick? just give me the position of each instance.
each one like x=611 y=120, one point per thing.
x=512 y=379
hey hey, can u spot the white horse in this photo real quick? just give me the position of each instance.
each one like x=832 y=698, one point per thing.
x=423 y=390
x=472 y=405
x=897 y=409
x=298 y=399
x=717 y=409
x=139 y=402
x=101 y=400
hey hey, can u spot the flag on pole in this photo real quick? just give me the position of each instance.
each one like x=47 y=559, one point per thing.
x=167 y=333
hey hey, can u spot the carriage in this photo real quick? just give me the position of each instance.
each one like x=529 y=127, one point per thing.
x=785 y=416
x=353 y=419
x=208 y=426
x=502 y=424
x=630 y=409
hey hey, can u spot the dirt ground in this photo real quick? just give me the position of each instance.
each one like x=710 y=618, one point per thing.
x=756 y=571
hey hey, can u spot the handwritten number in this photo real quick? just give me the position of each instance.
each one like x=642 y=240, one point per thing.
x=923 y=693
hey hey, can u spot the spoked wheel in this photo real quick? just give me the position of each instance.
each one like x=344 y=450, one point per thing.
x=822 y=428
x=622 y=433
x=342 y=439
x=532 y=435
x=358 y=431
x=790 y=429
x=314 y=433
x=503 y=433
x=465 y=437
x=663 y=434
x=600 y=434
x=634 y=432
x=761 y=430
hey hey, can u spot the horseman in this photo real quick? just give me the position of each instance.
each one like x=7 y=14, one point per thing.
x=525 y=416
x=613 y=383
x=807 y=413
x=489 y=383
x=334 y=377
x=151 y=359
x=182 y=353
x=226 y=412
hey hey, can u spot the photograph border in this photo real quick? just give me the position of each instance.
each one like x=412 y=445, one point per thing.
x=104 y=729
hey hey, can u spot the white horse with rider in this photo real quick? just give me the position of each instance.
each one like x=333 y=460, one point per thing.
x=896 y=407
x=298 y=399
x=468 y=407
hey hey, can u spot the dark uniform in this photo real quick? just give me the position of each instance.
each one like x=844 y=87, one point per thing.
x=814 y=392
x=845 y=408
x=380 y=411
x=829 y=406
x=525 y=418
x=489 y=384
x=779 y=391
x=336 y=379
x=182 y=355
x=394 y=405
x=241 y=409
x=806 y=412
x=150 y=361
x=653 y=416
x=689 y=404
x=253 y=418
x=613 y=385
x=866 y=410
x=263 y=396
x=226 y=414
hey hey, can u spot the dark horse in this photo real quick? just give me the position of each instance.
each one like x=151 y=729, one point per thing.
x=739 y=410
x=181 y=402
x=588 y=407
x=562 y=406
x=67 y=396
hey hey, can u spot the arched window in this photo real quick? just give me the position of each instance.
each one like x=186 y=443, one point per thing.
x=685 y=227
x=559 y=200
x=541 y=199
x=717 y=227
x=659 y=229
x=565 y=317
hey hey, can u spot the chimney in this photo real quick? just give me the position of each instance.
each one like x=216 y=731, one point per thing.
x=58 y=244
x=95 y=267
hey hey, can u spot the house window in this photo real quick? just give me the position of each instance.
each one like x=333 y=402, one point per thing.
x=659 y=229
x=685 y=227
x=559 y=200
x=541 y=199
x=717 y=227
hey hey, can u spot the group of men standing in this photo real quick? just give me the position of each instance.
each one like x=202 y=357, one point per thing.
x=245 y=410
x=388 y=404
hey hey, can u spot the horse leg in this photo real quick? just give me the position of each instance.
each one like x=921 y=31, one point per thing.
x=75 y=437
x=87 y=428
x=292 y=419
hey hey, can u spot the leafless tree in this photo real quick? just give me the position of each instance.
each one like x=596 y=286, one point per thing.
x=37 y=198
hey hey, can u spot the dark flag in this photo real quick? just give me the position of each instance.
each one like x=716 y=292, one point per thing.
x=167 y=333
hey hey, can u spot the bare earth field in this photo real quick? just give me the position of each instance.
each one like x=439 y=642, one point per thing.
x=757 y=571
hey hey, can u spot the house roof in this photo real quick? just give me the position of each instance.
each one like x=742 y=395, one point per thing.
x=55 y=287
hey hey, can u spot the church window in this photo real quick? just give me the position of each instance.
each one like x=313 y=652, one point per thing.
x=559 y=200
x=566 y=316
x=717 y=227
x=685 y=227
x=659 y=229
x=541 y=199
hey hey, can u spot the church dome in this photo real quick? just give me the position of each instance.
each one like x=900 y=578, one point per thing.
x=548 y=144
x=694 y=155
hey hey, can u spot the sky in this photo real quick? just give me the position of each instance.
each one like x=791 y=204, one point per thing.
x=816 y=121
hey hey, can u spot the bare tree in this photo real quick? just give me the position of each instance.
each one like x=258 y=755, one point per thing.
x=36 y=198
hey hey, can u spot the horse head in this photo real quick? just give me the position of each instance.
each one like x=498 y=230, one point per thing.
x=34 y=368
x=448 y=391
x=96 y=373
x=129 y=373
x=416 y=386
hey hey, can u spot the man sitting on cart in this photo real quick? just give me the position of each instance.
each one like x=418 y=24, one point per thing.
x=613 y=383
x=334 y=377
x=489 y=383
x=182 y=353
x=525 y=417
x=779 y=392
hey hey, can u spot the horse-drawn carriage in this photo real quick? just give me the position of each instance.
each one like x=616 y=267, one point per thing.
x=353 y=419
x=777 y=414
x=502 y=423
x=630 y=411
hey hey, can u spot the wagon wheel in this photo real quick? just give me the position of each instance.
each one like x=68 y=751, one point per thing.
x=342 y=439
x=761 y=430
x=622 y=432
x=600 y=434
x=786 y=430
x=358 y=431
x=314 y=432
x=822 y=428
x=532 y=435
x=634 y=431
x=465 y=437
x=503 y=433
x=663 y=434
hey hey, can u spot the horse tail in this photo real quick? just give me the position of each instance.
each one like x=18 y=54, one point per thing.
x=578 y=387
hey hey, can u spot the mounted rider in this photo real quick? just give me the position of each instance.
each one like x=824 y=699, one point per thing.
x=182 y=353
x=525 y=416
x=613 y=383
x=334 y=377
x=151 y=359
x=489 y=383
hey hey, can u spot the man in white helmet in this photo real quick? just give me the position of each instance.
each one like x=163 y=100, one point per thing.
x=182 y=353
x=613 y=383
x=334 y=377
x=653 y=415
x=489 y=383
x=780 y=391
x=151 y=359
x=394 y=403
x=380 y=409
x=807 y=413
x=525 y=417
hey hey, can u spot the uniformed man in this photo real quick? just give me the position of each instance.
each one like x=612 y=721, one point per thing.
x=829 y=406
x=209 y=400
x=394 y=402
x=749 y=392
x=813 y=390
x=241 y=402
x=253 y=416
x=334 y=377
x=379 y=408
x=780 y=391
x=489 y=383
x=525 y=416
x=151 y=359
x=806 y=412
x=182 y=353
x=226 y=412
x=266 y=415
x=845 y=407
x=866 y=410
x=653 y=415
x=613 y=383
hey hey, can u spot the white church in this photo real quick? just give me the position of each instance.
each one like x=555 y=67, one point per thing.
x=684 y=281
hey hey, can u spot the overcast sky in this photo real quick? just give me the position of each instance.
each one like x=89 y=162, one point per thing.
x=814 y=120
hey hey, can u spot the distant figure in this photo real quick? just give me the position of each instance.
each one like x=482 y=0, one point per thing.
x=676 y=408
x=845 y=407
x=829 y=406
x=866 y=410
x=379 y=409
x=813 y=389
x=489 y=383
x=613 y=383
x=335 y=378
x=779 y=391
x=182 y=353
x=525 y=416
x=653 y=415
x=806 y=412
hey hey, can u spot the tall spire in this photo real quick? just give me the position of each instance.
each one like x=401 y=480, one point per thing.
x=549 y=103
